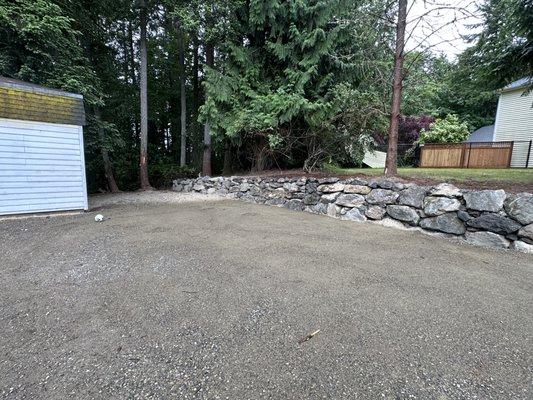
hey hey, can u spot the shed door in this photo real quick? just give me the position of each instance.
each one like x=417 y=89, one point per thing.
x=42 y=167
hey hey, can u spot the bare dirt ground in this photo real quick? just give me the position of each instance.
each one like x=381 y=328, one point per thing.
x=208 y=299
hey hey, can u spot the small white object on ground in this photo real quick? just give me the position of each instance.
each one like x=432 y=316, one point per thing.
x=99 y=218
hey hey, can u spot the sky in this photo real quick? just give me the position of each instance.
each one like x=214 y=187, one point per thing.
x=430 y=24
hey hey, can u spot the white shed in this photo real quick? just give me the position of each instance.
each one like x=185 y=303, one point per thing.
x=514 y=121
x=42 y=164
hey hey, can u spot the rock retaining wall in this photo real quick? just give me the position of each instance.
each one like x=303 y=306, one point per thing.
x=481 y=217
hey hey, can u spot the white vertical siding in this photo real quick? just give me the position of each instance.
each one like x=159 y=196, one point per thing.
x=514 y=121
x=42 y=167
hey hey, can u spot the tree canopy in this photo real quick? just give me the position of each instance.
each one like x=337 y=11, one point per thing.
x=274 y=83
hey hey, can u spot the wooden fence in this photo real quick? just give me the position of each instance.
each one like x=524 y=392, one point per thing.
x=466 y=155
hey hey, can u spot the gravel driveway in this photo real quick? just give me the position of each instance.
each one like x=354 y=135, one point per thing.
x=207 y=299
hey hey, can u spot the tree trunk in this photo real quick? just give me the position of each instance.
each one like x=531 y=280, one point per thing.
x=183 y=99
x=397 y=85
x=108 y=168
x=206 y=161
x=145 y=183
x=195 y=102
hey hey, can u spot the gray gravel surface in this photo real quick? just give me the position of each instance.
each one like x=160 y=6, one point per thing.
x=207 y=300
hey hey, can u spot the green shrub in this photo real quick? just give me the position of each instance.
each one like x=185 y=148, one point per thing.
x=445 y=130
x=162 y=175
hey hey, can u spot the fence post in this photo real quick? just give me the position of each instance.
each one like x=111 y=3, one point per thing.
x=528 y=153
x=469 y=151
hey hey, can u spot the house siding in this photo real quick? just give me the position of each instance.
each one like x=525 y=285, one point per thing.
x=41 y=167
x=514 y=122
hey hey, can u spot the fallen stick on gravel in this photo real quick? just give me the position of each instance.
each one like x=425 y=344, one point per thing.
x=308 y=337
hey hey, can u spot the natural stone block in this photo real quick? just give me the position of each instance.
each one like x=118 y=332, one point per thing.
x=382 y=196
x=448 y=223
x=403 y=213
x=526 y=231
x=520 y=207
x=329 y=198
x=522 y=246
x=495 y=223
x=434 y=206
x=375 y=212
x=332 y=188
x=488 y=239
x=357 y=189
x=350 y=200
x=413 y=196
x=445 y=189
x=484 y=200
x=354 y=215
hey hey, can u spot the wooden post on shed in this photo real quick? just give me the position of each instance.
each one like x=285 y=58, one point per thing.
x=528 y=153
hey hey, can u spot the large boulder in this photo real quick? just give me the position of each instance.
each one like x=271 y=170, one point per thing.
x=375 y=212
x=354 y=215
x=382 y=196
x=329 y=198
x=520 y=207
x=357 y=189
x=488 y=239
x=350 y=200
x=439 y=205
x=331 y=188
x=484 y=200
x=445 y=189
x=311 y=198
x=403 y=213
x=295 y=204
x=448 y=223
x=413 y=196
x=522 y=246
x=526 y=232
x=334 y=210
x=495 y=223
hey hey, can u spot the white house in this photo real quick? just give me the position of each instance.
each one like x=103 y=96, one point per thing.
x=514 y=121
x=42 y=166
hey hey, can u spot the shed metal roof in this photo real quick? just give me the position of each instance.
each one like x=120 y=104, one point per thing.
x=519 y=84
x=29 y=102
x=483 y=134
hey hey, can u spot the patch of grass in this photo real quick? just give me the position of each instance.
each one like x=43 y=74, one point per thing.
x=515 y=175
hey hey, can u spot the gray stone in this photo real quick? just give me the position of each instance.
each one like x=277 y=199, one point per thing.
x=357 y=189
x=522 y=246
x=382 y=196
x=375 y=212
x=211 y=190
x=520 y=207
x=329 y=198
x=354 y=215
x=357 y=181
x=276 y=201
x=350 y=200
x=332 y=188
x=445 y=189
x=448 y=223
x=526 y=231
x=463 y=215
x=322 y=181
x=403 y=213
x=487 y=239
x=177 y=187
x=244 y=187
x=291 y=187
x=484 y=200
x=333 y=210
x=439 y=205
x=320 y=208
x=198 y=187
x=296 y=205
x=413 y=196
x=386 y=183
x=311 y=198
x=495 y=223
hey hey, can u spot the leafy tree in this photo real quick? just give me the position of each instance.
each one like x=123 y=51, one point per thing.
x=445 y=130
